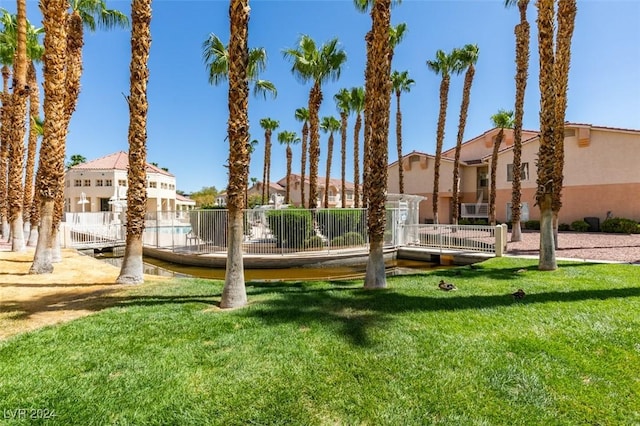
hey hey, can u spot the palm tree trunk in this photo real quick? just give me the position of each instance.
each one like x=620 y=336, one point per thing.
x=4 y=163
x=522 y=72
x=315 y=100
x=17 y=129
x=356 y=161
x=494 y=168
x=327 y=178
x=234 y=293
x=379 y=93
x=546 y=153
x=343 y=158
x=34 y=111
x=303 y=166
x=442 y=117
x=464 y=108
x=399 y=143
x=289 y=158
x=132 y=271
x=566 y=21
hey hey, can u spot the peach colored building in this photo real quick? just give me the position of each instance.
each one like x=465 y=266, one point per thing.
x=602 y=175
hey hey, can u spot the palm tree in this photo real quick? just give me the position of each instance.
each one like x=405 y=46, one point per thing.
x=318 y=65
x=522 y=72
x=234 y=293
x=288 y=138
x=443 y=65
x=216 y=57
x=17 y=129
x=357 y=106
x=378 y=98
x=343 y=102
x=329 y=125
x=302 y=115
x=546 y=152
x=567 y=10
x=401 y=83
x=251 y=147
x=50 y=173
x=468 y=56
x=131 y=271
x=269 y=126
x=502 y=120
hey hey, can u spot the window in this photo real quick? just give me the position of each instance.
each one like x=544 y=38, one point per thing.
x=349 y=196
x=98 y=182
x=108 y=182
x=524 y=212
x=153 y=184
x=122 y=182
x=163 y=185
x=77 y=182
x=87 y=182
x=524 y=172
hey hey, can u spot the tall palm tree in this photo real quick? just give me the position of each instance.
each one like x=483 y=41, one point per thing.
x=468 y=56
x=316 y=64
x=234 y=293
x=302 y=115
x=50 y=173
x=288 y=138
x=378 y=98
x=269 y=126
x=502 y=120
x=522 y=72
x=131 y=271
x=216 y=57
x=251 y=147
x=357 y=106
x=444 y=65
x=343 y=102
x=546 y=152
x=567 y=10
x=17 y=129
x=329 y=125
x=401 y=83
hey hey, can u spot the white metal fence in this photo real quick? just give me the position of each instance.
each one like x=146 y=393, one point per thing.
x=273 y=232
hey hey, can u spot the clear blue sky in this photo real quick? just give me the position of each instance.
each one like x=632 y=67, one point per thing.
x=187 y=116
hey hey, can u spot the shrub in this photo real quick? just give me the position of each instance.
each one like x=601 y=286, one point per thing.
x=313 y=242
x=532 y=225
x=290 y=227
x=464 y=221
x=337 y=222
x=338 y=242
x=580 y=226
x=620 y=225
x=564 y=227
x=353 y=239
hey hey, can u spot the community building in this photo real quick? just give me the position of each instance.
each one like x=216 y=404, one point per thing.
x=601 y=175
x=100 y=185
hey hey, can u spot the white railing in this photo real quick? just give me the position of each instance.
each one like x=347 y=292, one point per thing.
x=93 y=236
x=474 y=210
x=477 y=238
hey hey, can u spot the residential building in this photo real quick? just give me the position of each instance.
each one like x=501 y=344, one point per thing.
x=601 y=175
x=101 y=185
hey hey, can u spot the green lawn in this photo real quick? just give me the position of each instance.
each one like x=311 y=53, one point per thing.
x=331 y=353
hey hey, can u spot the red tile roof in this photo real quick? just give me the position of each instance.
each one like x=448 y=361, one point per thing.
x=116 y=161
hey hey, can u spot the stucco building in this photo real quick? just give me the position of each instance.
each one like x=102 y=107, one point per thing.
x=601 y=175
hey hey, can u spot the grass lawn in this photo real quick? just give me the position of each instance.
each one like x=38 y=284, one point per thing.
x=330 y=353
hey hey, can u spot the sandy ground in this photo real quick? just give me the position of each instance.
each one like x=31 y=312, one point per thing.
x=81 y=285
x=78 y=286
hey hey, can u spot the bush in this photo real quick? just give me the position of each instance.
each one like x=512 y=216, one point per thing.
x=290 y=227
x=532 y=225
x=338 y=242
x=464 y=221
x=337 y=222
x=313 y=242
x=564 y=227
x=620 y=225
x=580 y=226
x=353 y=239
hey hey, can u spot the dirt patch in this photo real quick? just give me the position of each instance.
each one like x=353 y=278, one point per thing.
x=78 y=286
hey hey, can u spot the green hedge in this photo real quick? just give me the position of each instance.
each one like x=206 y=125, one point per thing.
x=290 y=227
x=532 y=224
x=338 y=222
x=621 y=226
x=580 y=226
